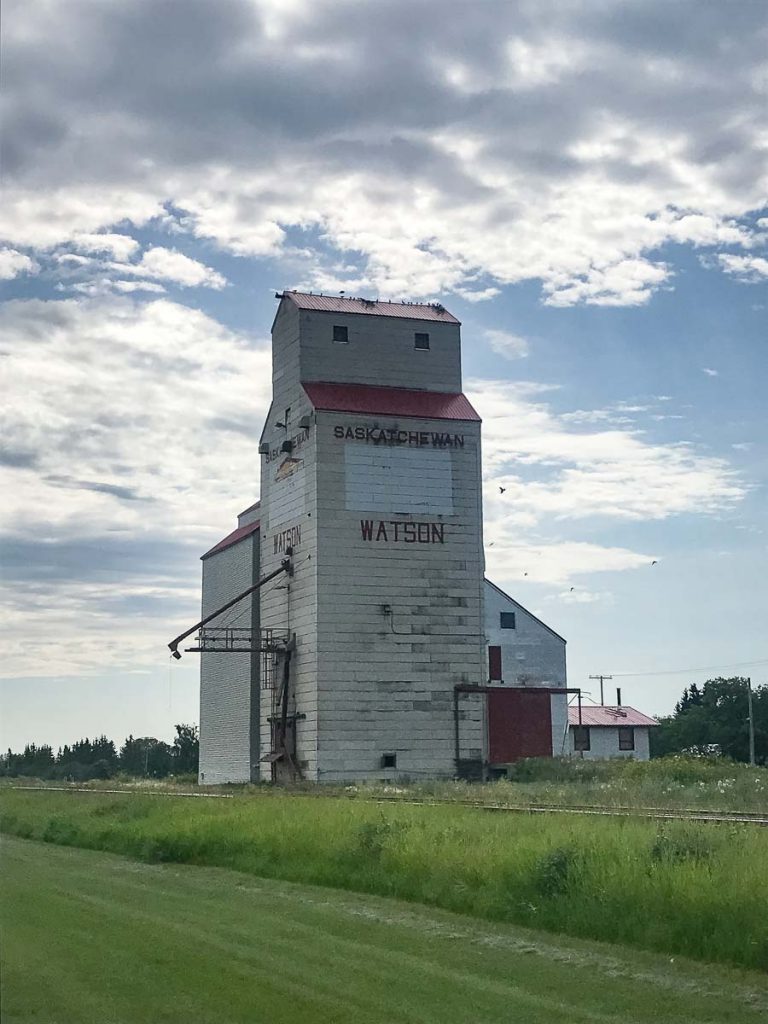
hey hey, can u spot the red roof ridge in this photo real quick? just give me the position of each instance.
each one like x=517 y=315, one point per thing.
x=609 y=715
x=435 y=311
x=233 y=538
x=375 y=399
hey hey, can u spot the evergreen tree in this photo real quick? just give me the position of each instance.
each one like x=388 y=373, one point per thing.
x=186 y=749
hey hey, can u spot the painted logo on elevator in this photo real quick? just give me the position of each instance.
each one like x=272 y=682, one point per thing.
x=414 y=438
x=390 y=531
x=290 y=538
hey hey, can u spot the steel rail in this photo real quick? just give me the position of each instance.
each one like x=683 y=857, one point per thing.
x=649 y=813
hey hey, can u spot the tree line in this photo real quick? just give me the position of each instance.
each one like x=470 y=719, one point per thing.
x=714 y=720
x=144 y=757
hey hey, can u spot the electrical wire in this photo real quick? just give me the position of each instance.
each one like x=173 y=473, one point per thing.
x=684 y=671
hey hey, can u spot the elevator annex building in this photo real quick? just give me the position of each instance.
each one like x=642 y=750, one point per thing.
x=369 y=645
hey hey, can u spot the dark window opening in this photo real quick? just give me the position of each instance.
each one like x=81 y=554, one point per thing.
x=340 y=334
x=507 y=620
x=494 y=664
x=581 y=737
x=421 y=340
x=626 y=737
x=389 y=760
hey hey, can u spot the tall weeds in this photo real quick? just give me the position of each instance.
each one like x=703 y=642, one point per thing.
x=697 y=890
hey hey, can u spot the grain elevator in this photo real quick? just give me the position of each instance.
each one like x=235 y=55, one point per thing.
x=364 y=655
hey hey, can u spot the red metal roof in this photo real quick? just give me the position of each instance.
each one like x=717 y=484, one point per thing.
x=372 y=307
x=608 y=715
x=233 y=538
x=365 y=398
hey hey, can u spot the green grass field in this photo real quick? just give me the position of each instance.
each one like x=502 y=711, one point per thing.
x=91 y=938
x=697 y=890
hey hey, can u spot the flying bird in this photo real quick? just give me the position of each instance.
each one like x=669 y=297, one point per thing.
x=502 y=489
x=571 y=590
x=653 y=562
x=525 y=574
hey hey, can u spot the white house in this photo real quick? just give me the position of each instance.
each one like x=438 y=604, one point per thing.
x=610 y=731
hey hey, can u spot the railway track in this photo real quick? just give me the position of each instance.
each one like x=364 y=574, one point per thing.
x=652 y=813
x=655 y=813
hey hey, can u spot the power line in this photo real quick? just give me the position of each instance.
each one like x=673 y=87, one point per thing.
x=683 y=671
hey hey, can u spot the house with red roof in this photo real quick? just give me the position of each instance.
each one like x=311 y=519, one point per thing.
x=606 y=731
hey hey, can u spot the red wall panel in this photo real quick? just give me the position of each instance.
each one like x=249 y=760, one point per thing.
x=519 y=725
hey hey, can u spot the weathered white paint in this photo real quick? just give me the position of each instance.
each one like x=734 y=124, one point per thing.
x=229 y=683
x=369 y=684
x=398 y=480
x=604 y=743
x=532 y=654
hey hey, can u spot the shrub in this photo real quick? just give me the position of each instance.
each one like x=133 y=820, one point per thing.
x=555 y=873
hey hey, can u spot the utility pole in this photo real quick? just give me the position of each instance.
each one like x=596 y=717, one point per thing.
x=601 y=678
x=751 y=723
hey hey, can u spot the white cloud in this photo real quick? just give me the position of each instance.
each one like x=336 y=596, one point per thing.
x=610 y=473
x=130 y=442
x=629 y=282
x=135 y=396
x=82 y=628
x=137 y=286
x=169 y=265
x=516 y=143
x=120 y=247
x=98 y=286
x=13 y=263
x=558 y=563
x=511 y=346
x=750 y=269
x=46 y=217
x=710 y=372
x=578 y=595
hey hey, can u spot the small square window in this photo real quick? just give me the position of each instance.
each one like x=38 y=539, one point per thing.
x=506 y=620
x=389 y=760
x=340 y=334
x=626 y=737
x=581 y=737
x=421 y=341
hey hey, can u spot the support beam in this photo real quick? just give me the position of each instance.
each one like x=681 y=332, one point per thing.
x=285 y=566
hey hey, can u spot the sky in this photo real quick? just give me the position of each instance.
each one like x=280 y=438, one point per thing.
x=584 y=185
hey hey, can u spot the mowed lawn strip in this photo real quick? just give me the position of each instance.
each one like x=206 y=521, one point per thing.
x=92 y=937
